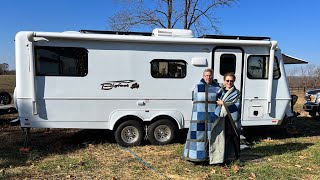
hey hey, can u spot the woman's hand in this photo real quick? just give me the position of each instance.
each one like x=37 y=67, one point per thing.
x=219 y=102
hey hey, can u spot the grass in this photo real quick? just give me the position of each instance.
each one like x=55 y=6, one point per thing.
x=84 y=154
x=92 y=154
x=7 y=83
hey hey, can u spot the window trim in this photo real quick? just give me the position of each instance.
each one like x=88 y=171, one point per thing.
x=265 y=56
x=168 y=60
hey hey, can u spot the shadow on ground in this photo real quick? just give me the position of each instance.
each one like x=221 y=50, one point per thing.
x=45 y=142
x=258 y=153
x=302 y=127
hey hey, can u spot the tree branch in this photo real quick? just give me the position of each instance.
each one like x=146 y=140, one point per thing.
x=166 y=14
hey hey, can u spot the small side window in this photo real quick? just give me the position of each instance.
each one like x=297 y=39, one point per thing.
x=168 y=68
x=258 y=67
x=227 y=63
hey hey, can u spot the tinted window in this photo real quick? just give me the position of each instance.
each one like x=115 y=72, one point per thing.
x=61 y=61
x=165 y=68
x=258 y=67
x=227 y=63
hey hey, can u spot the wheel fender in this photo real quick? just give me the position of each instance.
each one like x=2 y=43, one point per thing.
x=176 y=115
x=118 y=114
x=145 y=115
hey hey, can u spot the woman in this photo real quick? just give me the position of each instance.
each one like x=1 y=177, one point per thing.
x=225 y=136
x=205 y=95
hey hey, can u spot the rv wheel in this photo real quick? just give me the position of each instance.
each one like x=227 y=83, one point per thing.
x=129 y=133
x=5 y=98
x=162 y=132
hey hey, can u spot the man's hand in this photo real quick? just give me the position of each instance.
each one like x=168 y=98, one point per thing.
x=219 y=102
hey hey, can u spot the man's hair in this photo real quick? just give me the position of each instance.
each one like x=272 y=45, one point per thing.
x=208 y=70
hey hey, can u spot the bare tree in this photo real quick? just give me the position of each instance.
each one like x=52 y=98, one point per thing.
x=317 y=76
x=303 y=71
x=304 y=76
x=291 y=72
x=198 y=15
x=4 y=67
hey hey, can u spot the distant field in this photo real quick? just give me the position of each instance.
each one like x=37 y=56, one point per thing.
x=7 y=83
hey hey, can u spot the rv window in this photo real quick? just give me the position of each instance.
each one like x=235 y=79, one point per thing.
x=165 y=68
x=227 y=63
x=61 y=61
x=258 y=67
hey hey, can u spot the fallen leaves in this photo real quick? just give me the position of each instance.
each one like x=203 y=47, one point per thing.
x=235 y=168
x=252 y=176
x=208 y=176
x=309 y=169
x=302 y=157
x=70 y=177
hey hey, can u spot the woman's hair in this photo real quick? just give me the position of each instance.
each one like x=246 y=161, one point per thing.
x=208 y=70
x=229 y=74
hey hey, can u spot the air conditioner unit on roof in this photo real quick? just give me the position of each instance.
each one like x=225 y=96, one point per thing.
x=172 y=33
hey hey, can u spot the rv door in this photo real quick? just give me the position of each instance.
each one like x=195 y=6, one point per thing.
x=228 y=59
x=256 y=87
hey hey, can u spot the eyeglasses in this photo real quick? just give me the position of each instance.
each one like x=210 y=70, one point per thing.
x=229 y=80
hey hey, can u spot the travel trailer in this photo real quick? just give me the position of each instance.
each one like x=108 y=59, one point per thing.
x=140 y=84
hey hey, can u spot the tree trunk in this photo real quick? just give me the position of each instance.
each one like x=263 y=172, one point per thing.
x=169 y=2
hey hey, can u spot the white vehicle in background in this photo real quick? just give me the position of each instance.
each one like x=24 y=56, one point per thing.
x=312 y=102
x=139 y=84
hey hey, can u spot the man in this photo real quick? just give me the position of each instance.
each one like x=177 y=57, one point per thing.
x=205 y=95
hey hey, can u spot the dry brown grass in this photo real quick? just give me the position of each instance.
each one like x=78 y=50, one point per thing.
x=299 y=105
x=84 y=154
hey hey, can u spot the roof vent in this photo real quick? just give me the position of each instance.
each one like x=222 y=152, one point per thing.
x=73 y=32
x=172 y=33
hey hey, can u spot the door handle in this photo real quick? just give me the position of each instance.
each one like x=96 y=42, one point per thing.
x=253 y=98
x=141 y=103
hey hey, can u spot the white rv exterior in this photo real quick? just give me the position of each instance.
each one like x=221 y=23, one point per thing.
x=126 y=83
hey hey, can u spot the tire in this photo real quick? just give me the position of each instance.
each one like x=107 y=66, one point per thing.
x=312 y=113
x=5 y=98
x=162 y=132
x=129 y=133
